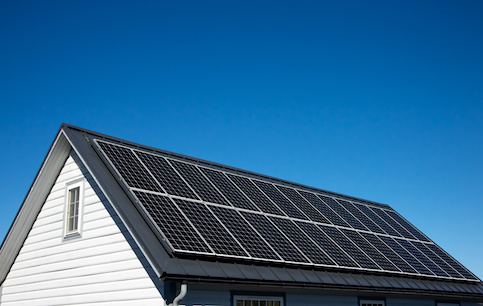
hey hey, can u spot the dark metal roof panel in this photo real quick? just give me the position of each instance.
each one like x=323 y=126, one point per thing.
x=250 y=272
x=267 y=274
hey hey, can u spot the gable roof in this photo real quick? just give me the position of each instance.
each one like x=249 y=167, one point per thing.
x=205 y=222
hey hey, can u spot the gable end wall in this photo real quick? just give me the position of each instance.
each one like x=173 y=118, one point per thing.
x=101 y=267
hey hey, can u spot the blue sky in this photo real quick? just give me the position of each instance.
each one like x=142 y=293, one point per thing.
x=381 y=100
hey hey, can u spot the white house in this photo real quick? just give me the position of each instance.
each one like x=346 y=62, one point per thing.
x=110 y=222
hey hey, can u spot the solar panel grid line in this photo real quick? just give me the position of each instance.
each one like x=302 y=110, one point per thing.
x=374 y=227
x=406 y=224
x=251 y=190
x=195 y=178
x=389 y=253
x=287 y=250
x=299 y=238
x=122 y=169
x=359 y=215
x=346 y=232
x=279 y=200
x=328 y=202
x=339 y=255
x=212 y=229
x=244 y=235
x=398 y=228
x=232 y=193
x=147 y=201
x=324 y=209
x=232 y=180
x=379 y=221
x=172 y=182
x=310 y=211
x=379 y=257
x=427 y=261
x=411 y=259
x=348 y=246
x=214 y=185
x=443 y=264
x=290 y=240
x=147 y=169
x=452 y=262
x=346 y=215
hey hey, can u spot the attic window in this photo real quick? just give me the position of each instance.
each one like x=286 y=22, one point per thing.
x=248 y=300
x=73 y=209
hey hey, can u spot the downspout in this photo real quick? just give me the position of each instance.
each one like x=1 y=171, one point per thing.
x=181 y=295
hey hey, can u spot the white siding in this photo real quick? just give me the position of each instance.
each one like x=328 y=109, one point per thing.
x=100 y=268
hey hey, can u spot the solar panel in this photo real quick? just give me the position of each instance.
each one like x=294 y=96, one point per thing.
x=275 y=238
x=255 y=194
x=231 y=192
x=177 y=229
x=303 y=242
x=199 y=183
x=255 y=245
x=303 y=204
x=215 y=234
x=202 y=209
x=275 y=195
x=166 y=175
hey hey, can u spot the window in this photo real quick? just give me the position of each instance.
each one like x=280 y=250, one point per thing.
x=372 y=303
x=249 y=300
x=447 y=304
x=73 y=209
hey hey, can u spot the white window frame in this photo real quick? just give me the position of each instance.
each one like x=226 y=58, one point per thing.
x=68 y=187
x=447 y=304
x=272 y=298
x=371 y=302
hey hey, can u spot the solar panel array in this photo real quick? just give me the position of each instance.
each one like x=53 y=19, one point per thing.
x=204 y=209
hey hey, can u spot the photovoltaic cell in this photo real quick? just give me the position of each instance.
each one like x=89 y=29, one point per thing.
x=393 y=243
x=360 y=216
x=275 y=238
x=452 y=262
x=229 y=190
x=166 y=176
x=389 y=253
x=278 y=198
x=381 y=223
x=324 y=209
x=210 y=228
x=370 y=250
x=381 y=213
x=362 y=259
x=422 y=258
x=250 y=190
x=441 y=263
x=244 y=233
x=129 y=167
x=303 y=204
x=315 y=254
x=172 y=223
x=407 y=226
x=199 y=183
x=341 y=211
x=327 y=244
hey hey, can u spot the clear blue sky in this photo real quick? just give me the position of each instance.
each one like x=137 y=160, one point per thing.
x=381 y=100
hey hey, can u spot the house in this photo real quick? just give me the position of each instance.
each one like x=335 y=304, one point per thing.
x=110 y=222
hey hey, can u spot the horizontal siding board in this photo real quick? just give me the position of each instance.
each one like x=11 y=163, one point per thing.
x=103 y=268
x=100 y=266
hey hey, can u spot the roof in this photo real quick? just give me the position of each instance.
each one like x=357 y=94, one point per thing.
x=205 y=222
